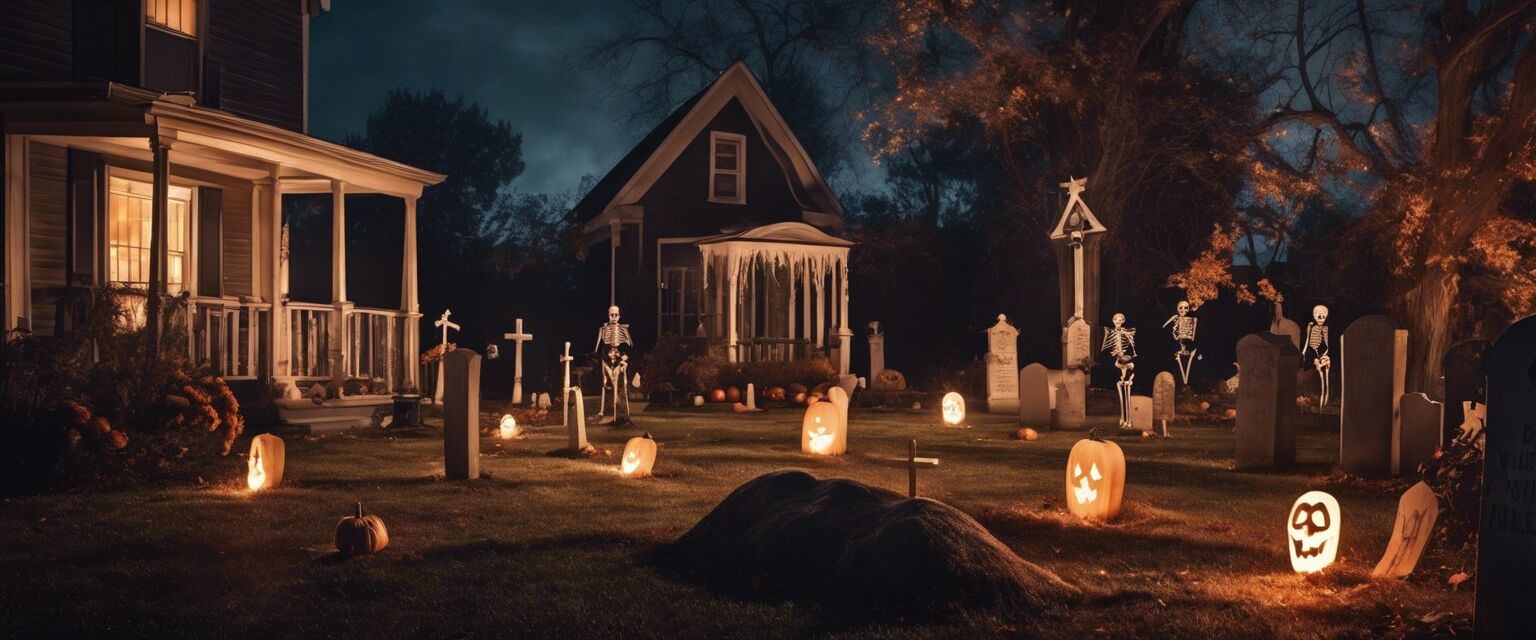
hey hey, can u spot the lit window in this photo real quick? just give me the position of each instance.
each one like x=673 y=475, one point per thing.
x=130 y=204
x=727 y=167
x=176 y=15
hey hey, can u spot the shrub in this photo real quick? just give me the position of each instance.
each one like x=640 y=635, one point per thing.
x=1456 y=474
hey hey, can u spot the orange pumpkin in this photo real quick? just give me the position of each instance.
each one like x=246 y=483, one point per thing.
x=822 y=432
x=800 y=398
x=359 y=535
x=775 y=394
x=717 y=395
x=1028 y=434
x=1095 y=479
x=733 y=394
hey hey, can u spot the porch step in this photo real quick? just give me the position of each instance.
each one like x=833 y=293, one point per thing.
x=331 y=415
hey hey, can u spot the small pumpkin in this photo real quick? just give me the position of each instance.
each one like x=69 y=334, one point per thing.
x=822 y=431
x=1028 y=434
x=639 y=457
x=733 y=395
x=698 y=401
x=1095 y=479
x=264 y=465
x=775 y=394
x=795 y=387
x=800 y=398
x=717 y=395
x=358 y=534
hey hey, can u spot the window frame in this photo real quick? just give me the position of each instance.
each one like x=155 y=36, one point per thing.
x=740 y=172
x=196 y=22
x=188 y=235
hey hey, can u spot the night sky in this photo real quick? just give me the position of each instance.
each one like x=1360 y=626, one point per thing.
x=516 y=58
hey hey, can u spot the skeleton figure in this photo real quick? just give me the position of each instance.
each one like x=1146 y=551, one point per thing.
x=1314 y=348
x=1120 y=343
x=612 y=349
x=1182 y=326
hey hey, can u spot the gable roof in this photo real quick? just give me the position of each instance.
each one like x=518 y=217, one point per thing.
x=628 y=181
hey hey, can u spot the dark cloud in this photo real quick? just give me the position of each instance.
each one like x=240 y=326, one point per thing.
x=515 y=59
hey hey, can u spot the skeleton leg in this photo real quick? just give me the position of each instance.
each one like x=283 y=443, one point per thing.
x=1322 y=373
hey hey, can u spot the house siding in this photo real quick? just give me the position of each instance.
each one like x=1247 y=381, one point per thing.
x=35 y=40
x=47 y=207
x=259 y=47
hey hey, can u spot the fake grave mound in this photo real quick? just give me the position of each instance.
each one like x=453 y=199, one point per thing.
x=857 y=546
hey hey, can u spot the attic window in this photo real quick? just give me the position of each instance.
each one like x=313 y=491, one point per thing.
x=727 y=168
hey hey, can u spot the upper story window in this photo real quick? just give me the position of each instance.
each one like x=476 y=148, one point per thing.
x=727 y=167
x=129 y=213
x=179 y=16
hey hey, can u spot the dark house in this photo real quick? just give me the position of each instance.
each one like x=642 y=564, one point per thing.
x=719 y=230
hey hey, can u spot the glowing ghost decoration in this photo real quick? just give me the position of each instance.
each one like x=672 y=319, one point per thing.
x=508 y=427
x=639 y=457
x=821 y=433
x=1313 y=530
x=1416 y=514
x=264 y=465
x=953 y=407
x=1095 y=479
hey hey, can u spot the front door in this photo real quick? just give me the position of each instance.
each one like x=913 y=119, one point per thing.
x=680 y=307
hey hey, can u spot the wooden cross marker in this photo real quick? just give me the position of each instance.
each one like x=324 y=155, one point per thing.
x=517 y=367
x=913 y=462
x=565 y=391
x=437 y=395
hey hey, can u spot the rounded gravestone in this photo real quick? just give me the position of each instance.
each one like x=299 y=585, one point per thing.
x=1506 y=548
x=1374 y=361
x=1034 y=395
x=1266 y=402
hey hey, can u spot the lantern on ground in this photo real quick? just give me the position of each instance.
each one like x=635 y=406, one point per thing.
x=1313 y=532
x=508 y=427
x=264 y=465
x=639 y=457
x=821 y=432
x=1095 y=479
x=360 y=535
x=953 y=408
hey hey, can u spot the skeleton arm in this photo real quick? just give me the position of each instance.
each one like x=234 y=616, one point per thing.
x=1172 y=319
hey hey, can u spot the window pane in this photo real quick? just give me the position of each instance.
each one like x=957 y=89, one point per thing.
x=176 y=15
x=130 y=212
x=725 y=155
x=725 y=185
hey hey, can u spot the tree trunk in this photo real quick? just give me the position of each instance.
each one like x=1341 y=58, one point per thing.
x=1426 y=311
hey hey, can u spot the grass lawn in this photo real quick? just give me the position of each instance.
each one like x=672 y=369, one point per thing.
x=549 y=547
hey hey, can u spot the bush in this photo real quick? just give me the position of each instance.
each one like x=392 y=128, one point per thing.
x=87 y=406
x=1456 y=474
x=700 y=374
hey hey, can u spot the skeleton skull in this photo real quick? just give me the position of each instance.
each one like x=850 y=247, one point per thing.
x=1313 y=529
x=1183 y=307
x=1320 y=314
x=1118 y=320
x=613 y=313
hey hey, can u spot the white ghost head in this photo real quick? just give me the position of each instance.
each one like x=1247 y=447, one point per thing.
x=1313 y=532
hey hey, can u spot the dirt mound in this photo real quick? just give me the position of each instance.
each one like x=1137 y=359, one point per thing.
x=849 y=544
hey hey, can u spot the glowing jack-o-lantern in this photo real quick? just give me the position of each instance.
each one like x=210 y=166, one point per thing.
x=821 y=432
x=953 y=407
x=508 y=427
x=639 y=457
x=1313 y=532
x=1095 y=479
x=264 y=465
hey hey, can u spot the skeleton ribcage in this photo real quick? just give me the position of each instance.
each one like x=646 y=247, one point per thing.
x=1317 y=336
x=1184 y=328
x=1119 y=342
x=614 y=335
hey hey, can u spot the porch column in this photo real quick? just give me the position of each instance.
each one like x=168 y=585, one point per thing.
x=160 y=151
x=810 y=327
x=615 y=231
x=730 y=309
x=789 y=311
x=409 y=302
x=341 y=348
x=844 y=335
x=821 y=313
x=279 y=355
x=18 y=286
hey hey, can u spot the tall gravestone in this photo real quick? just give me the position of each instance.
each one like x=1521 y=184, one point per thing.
x=1506 y=547
x=1002 y=367
x=461 y=414
x=1283 y=326
x=1374 y=360
x=1072 y=395
x=1462 y=367
x=1266 y=401
x=1141 y=413
x=1034 y=396
x=876 y=350
x=1419 y=434
x=1163 y=391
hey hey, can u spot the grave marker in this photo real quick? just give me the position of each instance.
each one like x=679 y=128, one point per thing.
x=461 y=415
x=1266 y=402
x=1034 y=396
x=518 y=337
x=1163 y=391
x=1002 y=367
x=1374 y=361
x=1420 y=433
x=1506 y=548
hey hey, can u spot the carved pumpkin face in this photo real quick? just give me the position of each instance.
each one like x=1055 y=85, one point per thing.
x=264 y=466
x=1095 y=479
x=953 y=408
x=821 y=432
x=639 y=457
x=1313 y=530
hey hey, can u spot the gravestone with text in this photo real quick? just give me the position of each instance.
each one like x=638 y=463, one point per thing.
x=1002 y=367
x=1419 y=434
x=1374 y=361
x=1163 y=391
x=1072 y=394
x=876 y=350
x=1506 y=547
x=461 y=414
x=1034 y=396
x=1266 y=401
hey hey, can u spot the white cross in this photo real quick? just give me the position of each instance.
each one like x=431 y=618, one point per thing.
x=517 y=372
x=437 y=397
x=565 y=391
x=913 y=462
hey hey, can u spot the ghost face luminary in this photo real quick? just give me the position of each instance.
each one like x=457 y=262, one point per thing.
x=1313 y=532
x=639 y=457
x=953 y=408
x=821 y=432
x=1095 y=479
x=264 y=466
x=1182 y=326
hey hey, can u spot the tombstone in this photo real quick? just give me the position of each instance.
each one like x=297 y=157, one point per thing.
x=1072 y=394
x=839 y=399
x=576 y=430
x=876 y=350
x=1141 y=413
x=1462 y=367
x=1506 y=547
x=1374 y=368
x=1053 y=379
x=461 y=414
x=1034 y=396
x=1419 y=434
x=1414 y=525
x=751 y=397
x=1266 y=402
x=1002 y=367
x=848 y=383
x=1283 y=326
x=543 y=402
x=518 y=337
x=1163 y=390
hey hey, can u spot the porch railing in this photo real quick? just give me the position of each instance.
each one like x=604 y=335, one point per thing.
x=376 y=342
x=774 y=349
x=309 y=339
x=228 y=335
